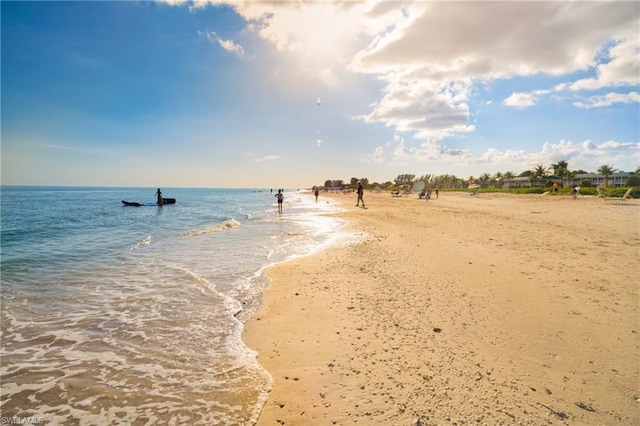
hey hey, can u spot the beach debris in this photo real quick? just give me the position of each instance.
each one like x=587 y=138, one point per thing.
x=585 y=406
x=506 y=413
x=437 y=329
x=559 y=414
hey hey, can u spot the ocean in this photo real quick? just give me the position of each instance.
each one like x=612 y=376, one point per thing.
x=123 y=315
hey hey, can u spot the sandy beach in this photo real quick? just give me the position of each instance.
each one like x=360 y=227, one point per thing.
x=496 y=309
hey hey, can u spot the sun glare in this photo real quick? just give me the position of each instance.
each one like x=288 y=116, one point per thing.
x=320 y=33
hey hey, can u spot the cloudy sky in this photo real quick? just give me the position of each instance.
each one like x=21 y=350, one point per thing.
x=270 y=94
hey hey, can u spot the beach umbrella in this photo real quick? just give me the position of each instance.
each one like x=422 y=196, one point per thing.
x=419 y=186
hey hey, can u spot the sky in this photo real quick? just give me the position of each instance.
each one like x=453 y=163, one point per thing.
x=290 y=94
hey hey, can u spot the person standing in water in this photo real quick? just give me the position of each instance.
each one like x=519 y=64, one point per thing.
x=316 y=191
x=160 y=199
x=280 y=197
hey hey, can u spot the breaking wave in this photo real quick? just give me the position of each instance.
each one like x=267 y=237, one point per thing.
x=227 y=224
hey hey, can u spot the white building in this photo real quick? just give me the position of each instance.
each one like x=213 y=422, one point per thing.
x=616 y=179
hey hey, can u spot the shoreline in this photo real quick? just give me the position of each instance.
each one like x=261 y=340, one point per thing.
x=496 y=309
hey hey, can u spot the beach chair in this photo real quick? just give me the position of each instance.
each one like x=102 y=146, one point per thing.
x=626 y=198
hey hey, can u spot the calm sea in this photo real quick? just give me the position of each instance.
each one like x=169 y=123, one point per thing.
x=133 y=315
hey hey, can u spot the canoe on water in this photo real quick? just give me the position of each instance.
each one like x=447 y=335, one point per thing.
x=136 y=204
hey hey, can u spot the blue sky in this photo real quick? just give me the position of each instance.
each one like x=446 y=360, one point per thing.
x=290 y=94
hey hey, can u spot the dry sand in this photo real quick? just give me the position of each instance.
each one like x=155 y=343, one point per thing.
x=499 y=309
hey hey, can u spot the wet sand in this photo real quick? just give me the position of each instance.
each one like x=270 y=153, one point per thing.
x=500 y=309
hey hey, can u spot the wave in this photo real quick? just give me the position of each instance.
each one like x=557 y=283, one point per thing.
x=227 y=224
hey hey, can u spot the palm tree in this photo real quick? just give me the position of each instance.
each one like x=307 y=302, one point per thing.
x=539 y=171
x=606 y=171
x=499 y=178
x=484 y=179
x=560 y=169
x=508 y=176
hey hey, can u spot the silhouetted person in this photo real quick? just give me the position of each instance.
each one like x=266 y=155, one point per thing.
x=160 y=199
x=360 y=193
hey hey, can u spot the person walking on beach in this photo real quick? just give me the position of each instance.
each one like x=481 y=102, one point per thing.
x=160 y=199
x=437 y=192
x=316 y=191
x=280 y=197
x=360 y=194
x=575 y=191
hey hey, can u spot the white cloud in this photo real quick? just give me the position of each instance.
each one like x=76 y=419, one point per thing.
x=231 y=46
x=377 y=157
x=267 y=158
x=228 y=45
x=320 y=33
x=622 y=67
x=452 y=41
x=520 y=100
x=429 y=111
x=588 y=155
x=454 y=45
x=609 y=99
x=432 y=56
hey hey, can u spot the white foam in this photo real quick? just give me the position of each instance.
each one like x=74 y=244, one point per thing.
x=227 y=224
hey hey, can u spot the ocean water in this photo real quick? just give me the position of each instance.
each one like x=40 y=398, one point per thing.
x=133 y=315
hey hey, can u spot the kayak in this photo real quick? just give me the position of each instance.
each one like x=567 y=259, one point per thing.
x=136 y=204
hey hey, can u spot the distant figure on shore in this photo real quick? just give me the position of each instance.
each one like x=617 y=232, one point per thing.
x=426 y=194
x=360 y=194
x=437 y=192
x=159 y=195
x=280 y=197
x=574 y=191
x=316 y=191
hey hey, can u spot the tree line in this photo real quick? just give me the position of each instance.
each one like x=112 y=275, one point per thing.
x=538 y=175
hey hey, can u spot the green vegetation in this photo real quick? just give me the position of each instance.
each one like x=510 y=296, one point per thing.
x=539 y=181
x=633 y=180
x=606 y=171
